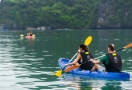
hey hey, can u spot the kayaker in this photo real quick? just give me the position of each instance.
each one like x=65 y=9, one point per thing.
x=112 y=60
x=83 y=58
x=30 y=33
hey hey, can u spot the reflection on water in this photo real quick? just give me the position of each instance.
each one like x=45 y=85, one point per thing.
x=29 y=64
x=87 y=83
x=22 y=64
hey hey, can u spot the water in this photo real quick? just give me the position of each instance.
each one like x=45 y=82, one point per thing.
x=31 y=64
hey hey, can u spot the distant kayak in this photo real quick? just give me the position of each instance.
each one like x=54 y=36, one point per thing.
x=99 y=74
x=30 y=37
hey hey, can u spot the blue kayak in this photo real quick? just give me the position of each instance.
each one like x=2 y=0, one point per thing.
x=96 y=74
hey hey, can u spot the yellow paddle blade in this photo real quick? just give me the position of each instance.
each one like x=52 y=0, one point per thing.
x=127 y=46
x=58 y=73
x=88 y=40
x=21 y=35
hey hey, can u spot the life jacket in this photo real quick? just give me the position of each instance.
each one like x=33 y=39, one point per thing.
x=115 y=63
x=85 y=63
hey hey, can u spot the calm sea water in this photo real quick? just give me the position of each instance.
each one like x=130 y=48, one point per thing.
x=31 y=64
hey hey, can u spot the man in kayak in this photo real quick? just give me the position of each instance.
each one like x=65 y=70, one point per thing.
x=82 y=59
x=112 y=60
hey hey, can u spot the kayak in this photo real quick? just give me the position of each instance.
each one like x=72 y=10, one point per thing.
x=95 y=74
x=30 y=37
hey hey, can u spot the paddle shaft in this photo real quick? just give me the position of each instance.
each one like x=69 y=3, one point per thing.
x=66 y=66
x=73 y=57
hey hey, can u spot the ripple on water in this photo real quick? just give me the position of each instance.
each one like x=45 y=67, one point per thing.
x=129 y=50
x=34 y=59
x=45 y=51
x=116 y=39
x=33 y=53
x=129 y=60
x=48 y=55
x=105 y=39
x=98 y=83
x=96 y=51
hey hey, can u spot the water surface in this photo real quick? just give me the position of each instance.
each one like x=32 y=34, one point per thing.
x=30 y=64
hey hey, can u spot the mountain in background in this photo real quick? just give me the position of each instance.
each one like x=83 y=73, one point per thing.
x=58 y=14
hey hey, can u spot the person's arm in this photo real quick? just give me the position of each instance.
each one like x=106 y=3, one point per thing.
x=95 y=61
x=77 y=59
x=102 y=60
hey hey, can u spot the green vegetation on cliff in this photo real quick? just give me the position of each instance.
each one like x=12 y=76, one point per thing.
x=66 y=13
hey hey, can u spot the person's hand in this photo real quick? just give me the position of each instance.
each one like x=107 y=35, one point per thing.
x=91 y=60
x=77 y=64
x=66 y=65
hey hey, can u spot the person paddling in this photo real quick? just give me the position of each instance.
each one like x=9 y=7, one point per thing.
x=30 y=33
x=83 y=57
x=112 y=60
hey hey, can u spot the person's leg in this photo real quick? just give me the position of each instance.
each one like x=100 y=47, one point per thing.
x=97 y=67
x=101 y=68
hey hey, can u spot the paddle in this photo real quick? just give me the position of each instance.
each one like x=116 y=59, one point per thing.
x=87 y=42
x=74 y=66
x=21 y=35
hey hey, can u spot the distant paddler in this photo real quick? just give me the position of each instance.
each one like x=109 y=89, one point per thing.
x=30 y=34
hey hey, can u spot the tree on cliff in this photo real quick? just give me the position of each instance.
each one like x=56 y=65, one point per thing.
x=75 y=14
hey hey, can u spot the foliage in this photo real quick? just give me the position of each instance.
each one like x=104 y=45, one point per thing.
x=76 y=14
